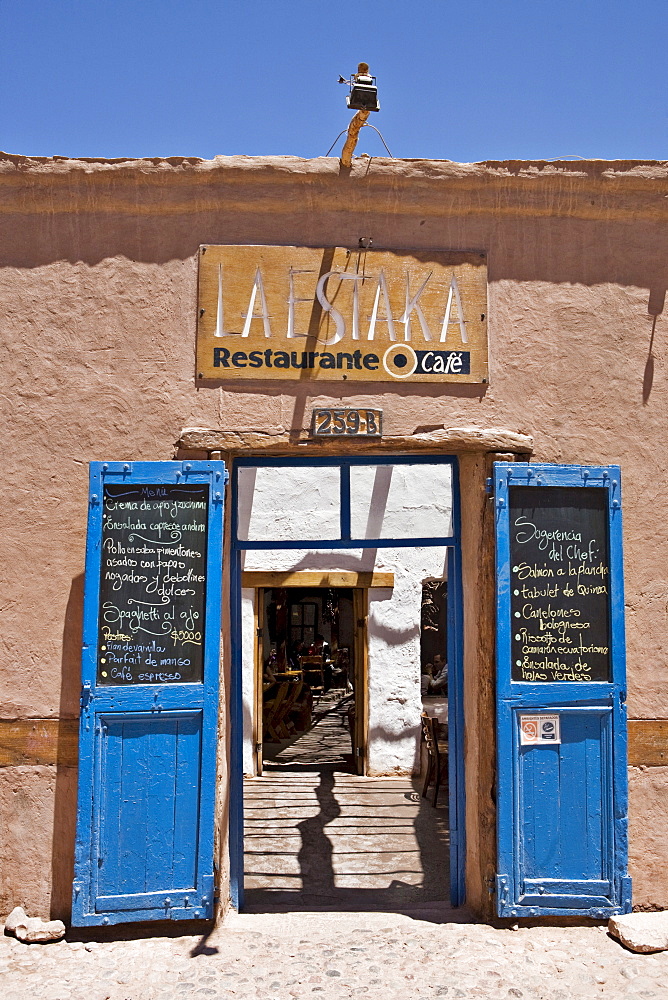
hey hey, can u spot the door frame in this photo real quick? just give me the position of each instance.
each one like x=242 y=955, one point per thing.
x=360 y=655
x=361 y=673
x=257 y=726
x=237 y=546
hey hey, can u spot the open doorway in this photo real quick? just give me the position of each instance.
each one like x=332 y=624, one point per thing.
x=352 y=829
x=318 y=832
x=310 y=680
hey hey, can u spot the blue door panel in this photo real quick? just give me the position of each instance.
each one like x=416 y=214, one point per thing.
x=186 y=811
x=107 y=866
x=565 y=793
x=148 y=804
x=562 y=812
x=147 y=748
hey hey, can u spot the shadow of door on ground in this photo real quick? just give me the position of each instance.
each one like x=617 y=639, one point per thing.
x=355 y=843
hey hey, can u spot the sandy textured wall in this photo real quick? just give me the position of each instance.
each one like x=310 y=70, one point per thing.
x=97 y=307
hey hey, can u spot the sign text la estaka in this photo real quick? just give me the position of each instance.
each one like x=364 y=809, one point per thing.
x=330 y=314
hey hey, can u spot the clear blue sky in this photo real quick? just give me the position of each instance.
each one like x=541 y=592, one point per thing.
x=471 y=80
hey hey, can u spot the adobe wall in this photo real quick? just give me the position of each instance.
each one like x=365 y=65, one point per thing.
x=98 y=287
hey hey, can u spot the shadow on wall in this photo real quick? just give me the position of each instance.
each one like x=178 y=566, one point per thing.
x=375 y=517
x=379 y=736
x=539 y=247
x=657 y=298
x=65 y=787
x=338 y=560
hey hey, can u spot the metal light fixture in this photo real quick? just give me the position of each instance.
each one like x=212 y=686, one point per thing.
x=363 y=99
x=363 y=94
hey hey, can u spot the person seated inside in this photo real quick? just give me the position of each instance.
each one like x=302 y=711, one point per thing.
x=426 y=678
x=341 y=668
x=269 y=680
x=322 y=648
x=268 y=670
x=299 y=649
x=439 y=682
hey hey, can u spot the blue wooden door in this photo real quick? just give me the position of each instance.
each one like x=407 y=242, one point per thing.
x=561 y=691
x=149 y=697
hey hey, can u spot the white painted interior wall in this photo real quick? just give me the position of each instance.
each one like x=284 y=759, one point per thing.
x=399 y=501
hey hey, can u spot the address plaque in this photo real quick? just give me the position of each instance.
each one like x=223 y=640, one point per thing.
x=364 y=422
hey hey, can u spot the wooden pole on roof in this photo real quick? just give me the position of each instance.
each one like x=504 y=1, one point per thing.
x=353 y=135
x=355 y=125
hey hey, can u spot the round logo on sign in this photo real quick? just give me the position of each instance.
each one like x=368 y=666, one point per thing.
x=530 y=729
x=400 y=360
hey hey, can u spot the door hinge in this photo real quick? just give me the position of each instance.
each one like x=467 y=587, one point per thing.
x=359 y=752
x=259 y=632
x=505 y=905
x=86 y=694
x=258 y=748
x=626 y=882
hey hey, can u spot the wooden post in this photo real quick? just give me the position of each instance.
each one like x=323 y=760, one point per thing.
x=351 y=139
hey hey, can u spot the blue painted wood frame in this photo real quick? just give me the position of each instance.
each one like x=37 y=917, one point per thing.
x=457 y=802
x=147 y=752
x=579 y=789
x=456 y=793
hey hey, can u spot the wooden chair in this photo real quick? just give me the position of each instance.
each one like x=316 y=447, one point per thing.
x=437 y=754
x=281 y=721
x=270 y=711
x=301 y=712
x=313 y=672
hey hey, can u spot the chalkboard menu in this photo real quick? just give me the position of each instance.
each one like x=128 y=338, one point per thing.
x=559 y=584
x=152 y=584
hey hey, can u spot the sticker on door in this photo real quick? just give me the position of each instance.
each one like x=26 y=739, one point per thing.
x=539 y=729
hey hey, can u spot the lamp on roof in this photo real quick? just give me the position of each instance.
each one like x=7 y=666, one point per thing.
x=363 y=99
x=363 y=94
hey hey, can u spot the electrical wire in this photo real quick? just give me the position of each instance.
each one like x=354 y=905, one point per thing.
x=365 y=125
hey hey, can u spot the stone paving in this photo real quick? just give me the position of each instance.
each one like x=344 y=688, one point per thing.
x=336 y=955
x=359 y=866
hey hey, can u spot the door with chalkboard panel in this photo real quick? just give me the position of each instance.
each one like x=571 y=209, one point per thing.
x=561 y=691
x=149 y=696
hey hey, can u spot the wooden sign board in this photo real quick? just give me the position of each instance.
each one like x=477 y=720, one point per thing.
x=331 y=315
